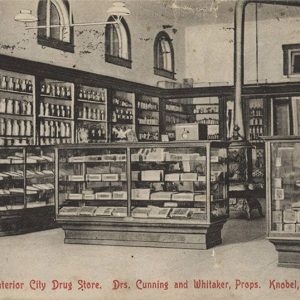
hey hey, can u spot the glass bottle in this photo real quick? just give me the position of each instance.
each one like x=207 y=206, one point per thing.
x=63 y=92
x=15 y=128
x=62 y=129
x=48 y=89
x=29 y=108
x=68 y=130
x=47 y=129
x=16 y=107
x=58 y=111
x=23 y=85
x=68 y=92
x=52 y=129
x=8 y=129
x=22 y=128
x=42 y=109
x=43 y=88
x=2 y=127
x=4 y=82
x=9 y=106
x=46 y=109
x=24 y=108
x=2 y=105
x=11 y=85
x=42 y=128
x=68 y=112
x=28 y=131
x=17 y=84
x=29 y=86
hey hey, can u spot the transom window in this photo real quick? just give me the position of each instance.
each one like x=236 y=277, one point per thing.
x=164 y=56
x=55 y=13
x=118 y=43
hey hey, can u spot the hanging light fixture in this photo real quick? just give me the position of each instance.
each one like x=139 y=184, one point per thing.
x=117 y=11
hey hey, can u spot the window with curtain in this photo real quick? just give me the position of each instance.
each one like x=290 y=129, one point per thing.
x=118 y=43
x=55 y=13
x=164 y=56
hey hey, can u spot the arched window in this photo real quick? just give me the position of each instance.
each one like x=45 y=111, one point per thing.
x=55 y=12
x=164 y=56
x=117 y=43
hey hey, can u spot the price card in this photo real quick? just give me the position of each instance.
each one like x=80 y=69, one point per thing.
x=278 y=162
x=278 y=183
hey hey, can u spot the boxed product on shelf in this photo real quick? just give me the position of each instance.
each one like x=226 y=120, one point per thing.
x=200 y=197
x=188 y=177
x=103 y=196
x=5 y=161
x=158 y=212
x=201 y=178
x=214 y=159
x=78 y=159
x=110 y=177
x=87 y=210
x=198 y=213
x=75 y=177
x=183 y=196
x=135 y=175
x=289 y=216
x=280 y=205
x=161 y=196
x=190 y=132
x=119 y=195
x=93 y=177
x=69 y=211
x=140 y=212
x=278 y=226
x=279 y=194
x=120 y=212
x=103 y=211
x=140 y=194
x=277 y=183
x=289 y=227
x=180 y=213
x=277 y=216
x=88 y=196
x=155 y=154
x=123 y=176
x=152 y=175
x=177 y=156
x=73 y=196
x=172 y=177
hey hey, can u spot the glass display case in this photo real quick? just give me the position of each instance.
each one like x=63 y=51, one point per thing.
x=164 y=195
x=26 y=189
x=283 y=198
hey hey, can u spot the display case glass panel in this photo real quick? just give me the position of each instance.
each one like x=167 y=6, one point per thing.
x=92 y=182
x=285 y=187
x=40 y=178
x=12 y=190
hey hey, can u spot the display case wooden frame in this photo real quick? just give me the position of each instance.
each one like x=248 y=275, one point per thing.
x=130 y=231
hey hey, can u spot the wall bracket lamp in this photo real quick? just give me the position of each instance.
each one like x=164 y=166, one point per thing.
x=117 y=11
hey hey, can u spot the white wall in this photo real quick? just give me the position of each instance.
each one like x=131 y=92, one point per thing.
x=210 y=48
x=144 y=23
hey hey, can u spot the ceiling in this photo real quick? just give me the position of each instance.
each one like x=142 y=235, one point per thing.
x=195 y=12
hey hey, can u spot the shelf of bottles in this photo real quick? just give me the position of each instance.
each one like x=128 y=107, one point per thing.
x=26 y=177
x=206 y=111
x=175 y=113
x=122 y=116
x=256 y=119
x=92 y=182
x=171 y=183
x=55 y=114
x=91 y=114
x=147 y=110
x=17 y=101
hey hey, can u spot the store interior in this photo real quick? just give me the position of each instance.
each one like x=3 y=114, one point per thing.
x=155 y=124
